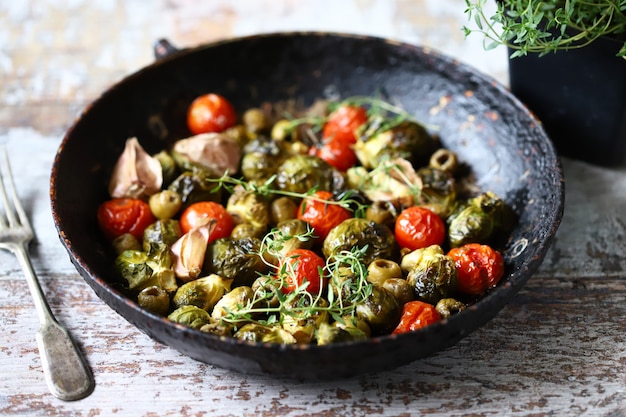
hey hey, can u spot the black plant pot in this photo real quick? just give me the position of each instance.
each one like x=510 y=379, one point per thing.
x=580 y=97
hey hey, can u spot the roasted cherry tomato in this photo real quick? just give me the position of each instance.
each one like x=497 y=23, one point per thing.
x=124 y=215
x=418 y=227
x=336 y=153
x=415 y=315
x=207 y=209
x=321 y=215
x=303 y=265
x=342 y=123
x=479 y=267
x=210 y=113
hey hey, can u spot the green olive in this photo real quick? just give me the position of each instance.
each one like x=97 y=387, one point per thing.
x=401 y=289
x=154 y=299
x=281 y=130
x=449 y=306
x=283 y=208
x=381 y=270
x=165 y=204
x=444 y=159
x=381 y=212
x=254 y=119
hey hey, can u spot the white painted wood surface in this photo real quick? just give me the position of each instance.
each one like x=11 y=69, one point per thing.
x=557 y=349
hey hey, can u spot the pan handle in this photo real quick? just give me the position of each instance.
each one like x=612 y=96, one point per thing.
x=163 y=48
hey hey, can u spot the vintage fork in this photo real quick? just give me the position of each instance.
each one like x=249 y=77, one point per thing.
x=67 y=374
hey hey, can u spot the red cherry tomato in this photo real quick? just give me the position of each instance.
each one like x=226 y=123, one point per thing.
x=479 y=267
x=320 y=215
x=336 y=153
x=418 y=227
x=210 y=113
x=342 y=123
x=303 y=265
x=415 y=315
x=207 y=209
x=124 y=215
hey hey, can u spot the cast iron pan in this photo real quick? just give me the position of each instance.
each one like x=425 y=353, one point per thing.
x=493 y=133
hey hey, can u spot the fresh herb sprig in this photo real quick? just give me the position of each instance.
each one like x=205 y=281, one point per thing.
x=267 y=189
x=534 y=26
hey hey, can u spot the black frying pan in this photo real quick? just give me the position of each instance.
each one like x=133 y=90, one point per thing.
x=493 y=133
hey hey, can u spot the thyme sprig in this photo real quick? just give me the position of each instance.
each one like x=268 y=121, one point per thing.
x=547 y=26
x=267 y=189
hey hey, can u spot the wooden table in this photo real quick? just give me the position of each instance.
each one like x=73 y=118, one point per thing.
x=557 y=349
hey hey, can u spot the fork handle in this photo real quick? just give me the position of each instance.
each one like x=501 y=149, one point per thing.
x=66 y=371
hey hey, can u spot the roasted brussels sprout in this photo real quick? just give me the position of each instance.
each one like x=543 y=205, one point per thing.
x=300 y=321
x=266 y=291
x=154 y=299
x=232 y=301
x=254 y=332
x=246 y=230
x=141 y=271
x=433 y=275
x=353 y=321
x=438 y=191
x=407 y=139
x=381 y=311
x=190 y=316
x=192 y=186
x=236 y=259
x=261 y=158
x=478 y=220
x=293 y=234
x=378 y=240
x=161 y=235
x=248 y=207
x=203 y=292
x=300 y=173
x=217 y=327
x=327 y=334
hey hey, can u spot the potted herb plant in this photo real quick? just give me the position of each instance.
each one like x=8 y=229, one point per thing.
x=568 y=65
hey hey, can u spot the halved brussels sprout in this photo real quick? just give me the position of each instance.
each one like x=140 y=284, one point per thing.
x=161 y=235
x=248 y=207
x=301 y=173
x=361 y=233
x=301 y=322
x=407 y=140
x=478 y=220
x=236 y=259
x=232 y=301
x=433 y=275
x=203 y=292
x=381 y=310
x=190 y=316
x=141 y=271
x=192 y=186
